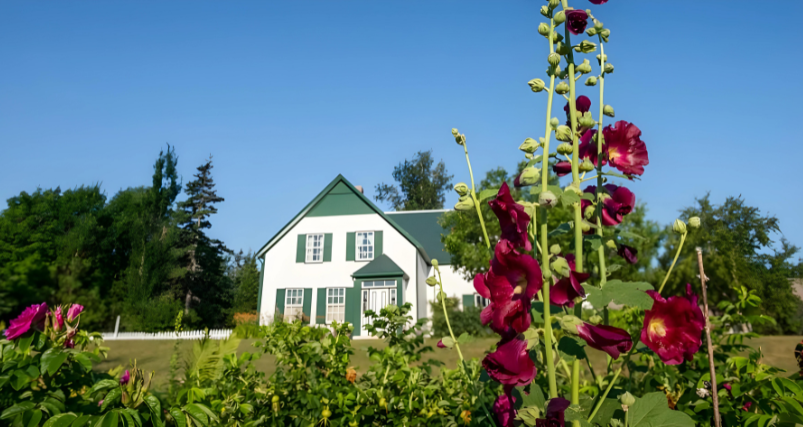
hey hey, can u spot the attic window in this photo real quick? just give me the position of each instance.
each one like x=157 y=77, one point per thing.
x=365 y=246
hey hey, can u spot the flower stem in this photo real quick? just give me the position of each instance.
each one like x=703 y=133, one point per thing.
x=677 y=254
x=605 y=394
x=710 y=345
x=603 y=270
x=550 y=363
x=474 y=198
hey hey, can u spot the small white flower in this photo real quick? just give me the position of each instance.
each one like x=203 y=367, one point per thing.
x=703 y=393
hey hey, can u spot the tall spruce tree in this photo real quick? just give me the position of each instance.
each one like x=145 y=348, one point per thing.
x=244 y=274
x=208 y=289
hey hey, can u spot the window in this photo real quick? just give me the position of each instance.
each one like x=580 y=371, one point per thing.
x=314 y=248
x=293 y=304
x=393 y=297
x=379 y=284
x=365 y=245
x=335 y=305
x=480 y=301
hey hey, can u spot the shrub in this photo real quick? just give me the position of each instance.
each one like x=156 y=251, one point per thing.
x=462 y=321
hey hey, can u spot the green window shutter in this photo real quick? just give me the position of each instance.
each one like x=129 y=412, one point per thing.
x=468 y=301
x=301 y=249
x=327 y=247
x=399 y=291
x=350 y=246
x=354 y=306
x=320 y=312
x=280 y=300
x=307 y=304
x=377 y=244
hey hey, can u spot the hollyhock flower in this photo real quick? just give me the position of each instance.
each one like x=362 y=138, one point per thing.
x=626 y=151
x=74 y=311
x=618 y=202
x=747 y=406
x=32 y=316
x=628 y=253
x=562 y=168
x=554 y=413
x=606 y=338
x=582 y=105
x=510 y=285
x=125 y=378
x=504 y=410
x=598 y=1
x=673 y=326
x=510 y=364
x=587 y=148
x=59 y=320
x=567 y=289
x=576 y=21
x=512 y=218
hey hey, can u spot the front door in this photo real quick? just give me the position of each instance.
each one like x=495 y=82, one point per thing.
x=374 y=300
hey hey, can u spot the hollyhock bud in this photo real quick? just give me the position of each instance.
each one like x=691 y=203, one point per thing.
x=455 y=132
x=587 y=120
x=560 y=17
x=591 y=81
x=608 y=111
x=513 y=220
x=562 y=88
x=563 y=133
x=595 y=319
x=694 y=222
x=528 y=176
x=545 y=11
x=560 y=266
x=609 y=339
x=630 y=254
x=34 y=315
x=547 y=199
x=586 y=166
x=601 y=57
x=591 y=32
x=672 y=328
x=553 y=59
x=536 y=85
x=564 y=148
x=604 y=34
x=441 y=344
x=598 y=25
x=461 y=188
x=543 y=29
x=434 y=262
x=69 y=344
x=679 y=227
x=529 y=145
x=562 y=168
x=585 y=46
x=554 y=249
x=554 y=3
x=432 y=281
x=562 y=49
x=465 y=203
x=584 y=68
x=608 y=68
x=576 y=21
x=589 y=213
x=627 y=399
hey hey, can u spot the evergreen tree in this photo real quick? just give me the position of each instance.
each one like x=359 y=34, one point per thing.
x=420 y=185
x=244 y=274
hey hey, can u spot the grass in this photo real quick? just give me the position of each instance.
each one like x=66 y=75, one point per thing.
x=155 y=355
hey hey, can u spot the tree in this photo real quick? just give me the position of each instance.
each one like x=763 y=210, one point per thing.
x=244 y=274
x=738 y=250
x=420 y=185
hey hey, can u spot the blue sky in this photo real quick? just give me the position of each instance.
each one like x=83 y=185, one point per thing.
x=286 y=95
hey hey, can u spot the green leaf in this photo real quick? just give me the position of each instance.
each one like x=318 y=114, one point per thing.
x=19 y=379
x=179 y=417
x=102 y=385
x=573 y=346
x=568 y=198
x=487 y=194
x=537 y=311
x=627 y=293
x=618 y=175
x=109 y=420
x=651 y=410
x=588 y=196
x=83 y=360
x=156 y=409
x=16 y=410
x=464 y=338
x=52 y=359
x=112 y=397
x=25 y=341
x=531 y=335
x=561 y=229
x=629 y=235
x=134 y=415
x=197 y=413
x=59 y=420
x=80 y=421
x=36 y=416
x=594 y=241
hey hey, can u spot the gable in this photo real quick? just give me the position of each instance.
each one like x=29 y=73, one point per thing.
x=340 y=201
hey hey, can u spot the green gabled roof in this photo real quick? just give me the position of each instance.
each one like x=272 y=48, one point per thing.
x=423 y=225
x=379 y=267
x=339 y=187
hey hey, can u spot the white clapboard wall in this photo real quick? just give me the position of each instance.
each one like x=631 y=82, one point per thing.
x=215 y=334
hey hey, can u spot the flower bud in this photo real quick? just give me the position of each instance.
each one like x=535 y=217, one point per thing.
x=694 y=222
x=562 y=88
x=559 y=18
x=563 y=133
x=536 y=85
x=627 y=399
x=605 y=34
x=528 y=176
x=610 y=244
x=546 y=273
x=585 y=46
x=464 y=204
x=553 y=59
x=600 y=58
x=608 y=111
x=554 y=122
x=543 y=29
x=556 y=37
x=560 y=266
x=586 y=166
x=545 y=11
x=554 y=3
x=432 y=281
x=547 y=199
x=461 y=188
x=598 y=25
x=564 y=148
x=529 y=145
x=595 y=319
x=591 y=31
x=587 y=120
x=679 y=227
x=584 y=68
x=434 y=262
x=589 y=212
x=585 y=227
x=562 y=49
x=591 y=81
x=554 y=249
x=455 y=132
x=608 y=68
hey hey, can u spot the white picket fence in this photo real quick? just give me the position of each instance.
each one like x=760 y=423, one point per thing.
x=215 y=334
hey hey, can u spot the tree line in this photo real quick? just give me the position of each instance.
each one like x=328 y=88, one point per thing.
x=143 y=254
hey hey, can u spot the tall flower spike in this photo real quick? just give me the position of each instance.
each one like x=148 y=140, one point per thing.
x=672 y=328
x=512 y=219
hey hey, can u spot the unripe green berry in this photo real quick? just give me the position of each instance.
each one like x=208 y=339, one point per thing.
x=591 y=81
x=559 y=18
x=562 y=88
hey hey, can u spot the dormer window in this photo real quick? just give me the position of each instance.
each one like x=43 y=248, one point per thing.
x=365 y=246
x=314 y=248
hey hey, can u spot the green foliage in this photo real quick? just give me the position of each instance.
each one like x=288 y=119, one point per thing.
x=244 y=275
x=420 y=185
x=463 y=321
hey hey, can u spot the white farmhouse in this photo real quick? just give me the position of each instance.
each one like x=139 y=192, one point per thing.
x=341 y=255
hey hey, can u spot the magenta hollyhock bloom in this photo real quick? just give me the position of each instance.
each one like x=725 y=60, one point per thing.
x=629 y=253
x=562 y=168
x=618 y=202
x=606 y=338
x=626 y=151
x=587 y=148
x=598 y=1
x=504 y=410
x=576 y=21
x=32 y=316
x=554 y=413
x=510 y=285
x=125 y=378
x=510 y=364
x=59 y=323
x=673 y=326
x=567 y=289
x=582 y=104
x=74 y=311
x=512 y=218
x=441 y=344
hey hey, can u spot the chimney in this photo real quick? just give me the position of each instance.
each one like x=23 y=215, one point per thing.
x=359 y=188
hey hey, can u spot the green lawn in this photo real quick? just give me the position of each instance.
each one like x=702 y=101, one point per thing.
x=155 y=355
